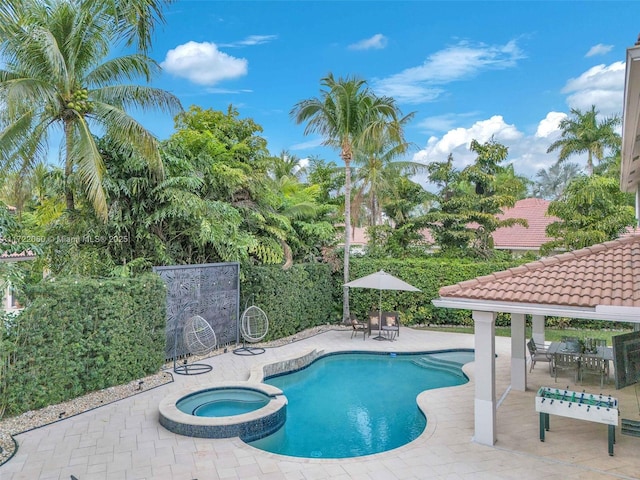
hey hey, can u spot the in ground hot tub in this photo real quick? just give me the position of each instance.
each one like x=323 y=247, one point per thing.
x=247 y=410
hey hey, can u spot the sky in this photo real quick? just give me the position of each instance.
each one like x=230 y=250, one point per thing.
x=510 y=70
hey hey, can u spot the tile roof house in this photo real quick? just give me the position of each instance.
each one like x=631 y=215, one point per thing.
x=580 y=284
x=517 y=239
x=601 y=282
x=19 y=256
x=9 y=303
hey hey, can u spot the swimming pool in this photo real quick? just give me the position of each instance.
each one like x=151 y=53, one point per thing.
x=353 y=404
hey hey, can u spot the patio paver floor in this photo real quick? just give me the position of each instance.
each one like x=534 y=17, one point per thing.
x=124 y=440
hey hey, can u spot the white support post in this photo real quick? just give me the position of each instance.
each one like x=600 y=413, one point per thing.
x=518 y=352
x=637 y=205
x=537 y=324
x=6 y=298
x=485 y=401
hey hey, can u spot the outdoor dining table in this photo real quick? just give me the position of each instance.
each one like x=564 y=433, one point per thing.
x=561 y=347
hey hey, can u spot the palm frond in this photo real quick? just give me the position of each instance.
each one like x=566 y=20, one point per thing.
x=91 y=168
x=123 y=68
x=124 y=130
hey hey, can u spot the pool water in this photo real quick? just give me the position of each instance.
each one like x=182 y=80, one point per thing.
x=354 y=404
x=222 y=402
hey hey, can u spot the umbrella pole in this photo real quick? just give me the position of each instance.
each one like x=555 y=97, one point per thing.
x=379 y=337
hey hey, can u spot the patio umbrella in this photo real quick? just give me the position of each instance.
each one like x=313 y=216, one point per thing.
x=381 y=281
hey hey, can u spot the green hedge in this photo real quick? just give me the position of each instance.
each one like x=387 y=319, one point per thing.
x=295 y=299
x=78 y=335
x=427 y=274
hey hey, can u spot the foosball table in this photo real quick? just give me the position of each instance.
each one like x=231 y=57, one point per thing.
x=581 y=405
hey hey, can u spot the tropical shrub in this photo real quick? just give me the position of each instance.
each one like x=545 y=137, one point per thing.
x=295 y=299
x=78 y=335
x=429 y=274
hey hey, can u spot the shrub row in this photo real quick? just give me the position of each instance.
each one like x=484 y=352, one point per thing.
x=429 y=275
x=295 y=299
x=80 y=335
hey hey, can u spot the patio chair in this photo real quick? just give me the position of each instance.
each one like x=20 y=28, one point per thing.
x=594 y=365
x=538 y=353
x=358 y=327
x=374 y=319
x=566 y=361
x=391 y=324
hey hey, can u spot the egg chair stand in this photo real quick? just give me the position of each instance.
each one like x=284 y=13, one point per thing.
x=199 y=338
x=254 y=326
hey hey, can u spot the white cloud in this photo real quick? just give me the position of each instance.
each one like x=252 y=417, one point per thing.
x=303 y=163
x=251 y=40
x=599 y=49
x=203 y=63
x=481 y=131
x=316 y=142
x=442 y=123
x=549 y=124
x=602 y=86
x=528 y=154
x=407 y=93
x=458 y=62
x=378 y=41
x=228 y=91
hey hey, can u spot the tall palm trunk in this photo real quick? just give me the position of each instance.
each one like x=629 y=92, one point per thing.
x=68 y=166
x=346 y=156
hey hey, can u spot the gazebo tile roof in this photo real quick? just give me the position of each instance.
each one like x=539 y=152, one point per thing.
x=603 y=274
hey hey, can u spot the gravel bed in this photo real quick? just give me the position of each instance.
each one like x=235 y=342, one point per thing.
x=54 y=413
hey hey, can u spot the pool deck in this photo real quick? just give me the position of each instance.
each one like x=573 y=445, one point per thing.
x=124 y=441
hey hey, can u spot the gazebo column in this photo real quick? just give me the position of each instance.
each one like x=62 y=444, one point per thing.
x=518 y=353
x=485 y=371
x=537 y=323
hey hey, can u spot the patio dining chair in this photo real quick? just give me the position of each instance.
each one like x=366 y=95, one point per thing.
x=391 y=324
x=566 y=361
x=594 y=365
x=358 y=327
x=374 y=321
x=538 y=353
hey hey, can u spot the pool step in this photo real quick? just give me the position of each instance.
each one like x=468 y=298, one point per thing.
x=631 y=427
x=441 y=365
x=442 y=361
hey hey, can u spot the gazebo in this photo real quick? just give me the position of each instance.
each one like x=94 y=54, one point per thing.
x=601 y=282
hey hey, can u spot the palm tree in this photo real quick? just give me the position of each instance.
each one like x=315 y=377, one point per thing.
x=583 y=133
x=550 y=184
x=286 y=165
x=58 y=77
x=135 y=19
x=377 y=171
x=348 y=115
